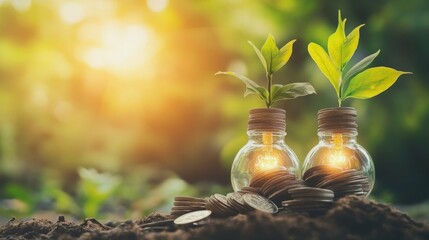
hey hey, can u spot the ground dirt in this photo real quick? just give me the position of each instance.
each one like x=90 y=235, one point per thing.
x=350 y=219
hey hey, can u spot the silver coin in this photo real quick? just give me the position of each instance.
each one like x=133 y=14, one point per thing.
x=192 y=217
x=260 y=203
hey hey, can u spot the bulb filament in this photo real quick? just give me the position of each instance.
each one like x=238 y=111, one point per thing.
x=337 y=157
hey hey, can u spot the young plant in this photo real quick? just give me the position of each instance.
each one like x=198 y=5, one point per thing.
x=356 y=82
x=273 y=58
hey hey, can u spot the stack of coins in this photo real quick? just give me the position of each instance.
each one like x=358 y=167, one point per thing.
x=342 y=182
x=245 y=190
x=275 y=183
x=220 y=206
x=184 y=205
x=235 y=200
x=309 y=200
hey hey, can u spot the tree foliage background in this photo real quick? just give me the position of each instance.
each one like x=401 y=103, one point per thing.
x=110 y=108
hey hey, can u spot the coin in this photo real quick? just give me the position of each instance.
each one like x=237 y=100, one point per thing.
x=192 y=217
x=283 y=192
x=311 y=191
x=192 y=208
x=342 y=182
x=275 y=183
x=256 y=190
x=260 y=203
x=190 y=199
x=235 y=200
x=322 y=168
x=220 y=207
x=187 y=203
x=307 y=205
x=260 y=177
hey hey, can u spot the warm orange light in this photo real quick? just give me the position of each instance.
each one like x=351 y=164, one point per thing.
x=266 y=162
x=121 y=48
x=338 y=157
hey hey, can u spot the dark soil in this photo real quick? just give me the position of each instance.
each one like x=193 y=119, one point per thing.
x=350 y=218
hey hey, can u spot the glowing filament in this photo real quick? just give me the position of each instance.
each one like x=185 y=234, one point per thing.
x=337 y=157
x=266 y=162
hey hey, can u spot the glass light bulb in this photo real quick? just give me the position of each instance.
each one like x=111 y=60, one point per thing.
x=265 y=149
x=338 y=148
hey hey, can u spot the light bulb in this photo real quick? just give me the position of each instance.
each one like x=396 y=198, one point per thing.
x=265 y=149
x=338 y=148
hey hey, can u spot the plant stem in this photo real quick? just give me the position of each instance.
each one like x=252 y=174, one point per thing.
x=339 y=102
x=269 y=82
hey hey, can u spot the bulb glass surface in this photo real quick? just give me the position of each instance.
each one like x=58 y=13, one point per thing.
x=264 y=151
x=341 y=150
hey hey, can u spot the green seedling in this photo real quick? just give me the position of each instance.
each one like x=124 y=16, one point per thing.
x=273 y=59
x=356 y=82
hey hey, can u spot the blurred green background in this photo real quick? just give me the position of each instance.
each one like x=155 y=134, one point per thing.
x=110 y=108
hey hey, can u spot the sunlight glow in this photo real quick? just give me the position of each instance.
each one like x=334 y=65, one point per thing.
x=121 y=47
x=21 y=5
x=157 y=5
x=72 y=12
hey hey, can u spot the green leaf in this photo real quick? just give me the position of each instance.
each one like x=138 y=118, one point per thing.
x=361 y=65
x=325 y=64
x=336 y=41
x=283 y=56
x=372 y=82
x=251 y=86
x=260 y=56
x=269 y=50
x=350 y=45
x=290 y=91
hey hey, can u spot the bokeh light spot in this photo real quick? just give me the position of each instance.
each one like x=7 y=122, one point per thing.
x=121 y=47
x=21 y=5
x=72 y=12
x=157 y=5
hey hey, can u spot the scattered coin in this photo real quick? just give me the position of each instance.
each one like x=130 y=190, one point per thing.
x=192 y=217
x=260 y=203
